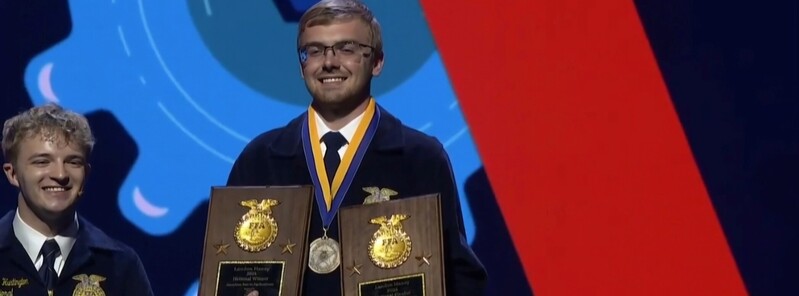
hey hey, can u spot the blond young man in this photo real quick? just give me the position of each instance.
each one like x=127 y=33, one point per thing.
x=46 y=248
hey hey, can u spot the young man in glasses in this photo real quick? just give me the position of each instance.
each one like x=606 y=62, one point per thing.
x=340 y=49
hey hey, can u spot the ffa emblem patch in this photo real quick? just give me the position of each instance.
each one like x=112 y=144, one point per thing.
x=89 y=285
x=377 y=194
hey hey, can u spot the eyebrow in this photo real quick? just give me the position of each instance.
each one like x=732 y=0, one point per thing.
x=48 y=155
x=75 y=156
x=317 y=43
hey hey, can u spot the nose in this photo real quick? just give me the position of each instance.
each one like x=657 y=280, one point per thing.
x=331 y=62
x=59 y=173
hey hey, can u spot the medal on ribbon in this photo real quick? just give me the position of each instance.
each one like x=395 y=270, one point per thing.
x=324 y=252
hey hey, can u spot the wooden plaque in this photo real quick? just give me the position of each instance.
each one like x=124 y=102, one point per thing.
x=255 y=240
x=375 y=238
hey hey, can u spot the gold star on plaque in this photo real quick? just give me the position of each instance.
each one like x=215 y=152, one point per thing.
x=288 y=247
x=424 y=259
x=221 y=248
x=354 y=268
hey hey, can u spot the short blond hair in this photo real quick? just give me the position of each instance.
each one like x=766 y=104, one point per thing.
x=329 y=11
x=49 y=121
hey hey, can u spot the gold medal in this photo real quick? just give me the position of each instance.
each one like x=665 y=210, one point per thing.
x=324 y=255
x=390 y=245
x=257 y=229
x=89 y=285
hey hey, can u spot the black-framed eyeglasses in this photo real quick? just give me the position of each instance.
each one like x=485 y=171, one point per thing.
x=340 y=49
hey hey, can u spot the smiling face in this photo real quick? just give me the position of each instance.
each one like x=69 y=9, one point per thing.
x=50 y=174
x=338 y=78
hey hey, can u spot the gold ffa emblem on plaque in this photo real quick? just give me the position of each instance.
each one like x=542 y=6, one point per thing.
x=257 y=229
x=89 y=285
x=377 y=194
x=390 y=245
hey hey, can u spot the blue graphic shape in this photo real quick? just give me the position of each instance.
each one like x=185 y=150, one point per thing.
x=194 y=290
x=253 y=41
x=146 y=62
x=292 y=10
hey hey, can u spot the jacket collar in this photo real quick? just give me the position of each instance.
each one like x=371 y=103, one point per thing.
x=94 y=237
x=7 y=230
x=88 y=234
x=389 y=135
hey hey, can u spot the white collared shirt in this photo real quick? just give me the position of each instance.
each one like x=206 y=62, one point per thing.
x=348 y=131
x=33 y=241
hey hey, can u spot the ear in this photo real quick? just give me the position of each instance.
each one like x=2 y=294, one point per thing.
x=302 y=73
x=11 y=174
x=87 y=169
x=378 y=64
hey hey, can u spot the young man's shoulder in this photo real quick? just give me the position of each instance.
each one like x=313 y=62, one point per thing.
x=108 y=251
x=418 y=142
x=96 y=238
x=266 y=138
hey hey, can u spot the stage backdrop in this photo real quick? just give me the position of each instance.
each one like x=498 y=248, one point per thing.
x=175 y=90
x=635 y=148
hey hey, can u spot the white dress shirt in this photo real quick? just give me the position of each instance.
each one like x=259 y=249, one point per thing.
x=33 y=241
x=348 y=131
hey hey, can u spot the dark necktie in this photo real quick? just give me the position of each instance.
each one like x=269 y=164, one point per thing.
x=50 y=250
x=333 y=141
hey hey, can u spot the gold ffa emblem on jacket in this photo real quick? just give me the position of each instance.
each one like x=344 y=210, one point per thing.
x=89 y=285
x=377 y=194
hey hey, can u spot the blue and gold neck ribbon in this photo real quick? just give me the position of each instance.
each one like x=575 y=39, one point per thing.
x=329 y=197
